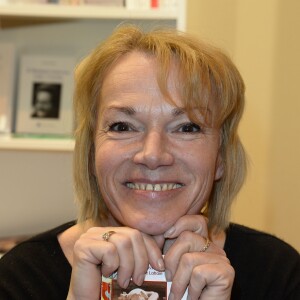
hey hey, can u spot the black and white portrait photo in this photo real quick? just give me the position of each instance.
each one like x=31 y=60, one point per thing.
x=46 y=100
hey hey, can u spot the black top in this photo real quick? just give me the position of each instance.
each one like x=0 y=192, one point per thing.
x=266 y=267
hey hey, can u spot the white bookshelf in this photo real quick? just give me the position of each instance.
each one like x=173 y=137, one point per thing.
x=8 y=142
x=63 y=29
x=84 y=12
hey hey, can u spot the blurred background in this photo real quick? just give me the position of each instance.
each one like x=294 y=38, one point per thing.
x=263 y=39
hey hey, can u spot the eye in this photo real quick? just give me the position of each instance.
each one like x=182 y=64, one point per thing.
x=189 y=128
x=120 y=127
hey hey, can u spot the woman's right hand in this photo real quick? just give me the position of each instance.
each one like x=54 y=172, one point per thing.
x=127 y=251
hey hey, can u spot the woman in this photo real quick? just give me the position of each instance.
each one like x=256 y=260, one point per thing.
x=157 y=164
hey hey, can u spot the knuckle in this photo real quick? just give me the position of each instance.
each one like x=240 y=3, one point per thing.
x=202 y=223
x=226 y=276
x=197 y=275
x=186 y=236
x=231 y=272
x=80 y=250
x=226 y=260
x=203 y=220
x=188 y=260
x=125 y=241
x=78 y=246
x=136 y=234
x=221 y=252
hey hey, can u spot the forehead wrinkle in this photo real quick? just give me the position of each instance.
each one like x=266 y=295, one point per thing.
x=129 y=110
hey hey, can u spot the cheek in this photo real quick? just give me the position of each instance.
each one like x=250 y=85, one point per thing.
x=109 y=159
x=104 y=161
x=200 y=159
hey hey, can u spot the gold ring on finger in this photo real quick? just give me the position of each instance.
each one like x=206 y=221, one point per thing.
x=107 y=235
x=207 y=244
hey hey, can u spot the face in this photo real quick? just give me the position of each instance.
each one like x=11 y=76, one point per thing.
x=43 y=103
x=152 y=163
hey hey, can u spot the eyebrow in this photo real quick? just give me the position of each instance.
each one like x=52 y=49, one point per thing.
x=127 y=110
x=130 y=111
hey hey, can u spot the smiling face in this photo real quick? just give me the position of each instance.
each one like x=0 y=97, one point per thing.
x=152 y=163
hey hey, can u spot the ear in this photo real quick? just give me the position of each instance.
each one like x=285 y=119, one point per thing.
x=219 y=167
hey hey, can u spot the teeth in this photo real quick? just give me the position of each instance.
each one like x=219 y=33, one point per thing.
x=157 y=188
x=153 y=187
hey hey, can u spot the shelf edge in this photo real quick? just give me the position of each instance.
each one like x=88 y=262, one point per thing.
x=34 y=144
x=57 y=11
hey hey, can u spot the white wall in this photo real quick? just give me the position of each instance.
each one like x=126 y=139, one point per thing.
x=36 y=191
x=262 y=37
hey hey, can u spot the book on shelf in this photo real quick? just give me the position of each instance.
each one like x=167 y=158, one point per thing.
x=45 y=92
x=112 y=3
x=7 y=80
x=75 y=2
x=151 y=4
x=154 y=287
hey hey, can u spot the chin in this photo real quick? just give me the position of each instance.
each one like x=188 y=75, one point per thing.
x=153 y=227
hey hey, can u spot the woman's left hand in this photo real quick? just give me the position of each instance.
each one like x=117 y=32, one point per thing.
x=208 y=275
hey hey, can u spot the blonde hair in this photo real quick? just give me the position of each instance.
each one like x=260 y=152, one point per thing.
x=206 y=74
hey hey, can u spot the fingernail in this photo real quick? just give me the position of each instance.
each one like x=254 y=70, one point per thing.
x=171 y=296
x=140 y=280
x=168 y=275
x=161 y=264
x=169 y=232
x=126 y=283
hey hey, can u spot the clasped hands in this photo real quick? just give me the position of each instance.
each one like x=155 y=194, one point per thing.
x=207 y=275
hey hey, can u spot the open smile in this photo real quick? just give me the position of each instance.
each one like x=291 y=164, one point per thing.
x=157 y=187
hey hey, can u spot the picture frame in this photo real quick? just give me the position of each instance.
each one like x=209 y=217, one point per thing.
x=7 y=83
x=45 y=92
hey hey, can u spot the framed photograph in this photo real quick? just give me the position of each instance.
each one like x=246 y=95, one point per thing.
x=7 y=82
x=45 y=92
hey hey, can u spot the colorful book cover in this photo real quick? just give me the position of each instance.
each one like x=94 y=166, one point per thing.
x=155 y=287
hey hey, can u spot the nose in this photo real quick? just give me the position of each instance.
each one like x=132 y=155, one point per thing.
x=154 y=151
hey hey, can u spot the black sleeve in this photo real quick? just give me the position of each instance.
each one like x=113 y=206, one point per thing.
x=266 y=267
x=34 y=270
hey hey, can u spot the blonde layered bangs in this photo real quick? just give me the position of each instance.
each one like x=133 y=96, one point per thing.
x=208 y=82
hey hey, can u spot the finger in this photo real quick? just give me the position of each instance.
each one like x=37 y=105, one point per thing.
x=185 y=243
x=126 y=266
x=90 y=249
x=154 y=252
x=86 y=275
x=194 y=223
x=133 y=255
x=211 y=281
x=103 y=252
x=160 y=240
x=140 y=254
x=196 y=271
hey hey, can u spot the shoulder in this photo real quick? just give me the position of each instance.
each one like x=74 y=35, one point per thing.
x=248 y=247
x=33 y=259
x=266 y=267
x=248 y=239
x=43 y=245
